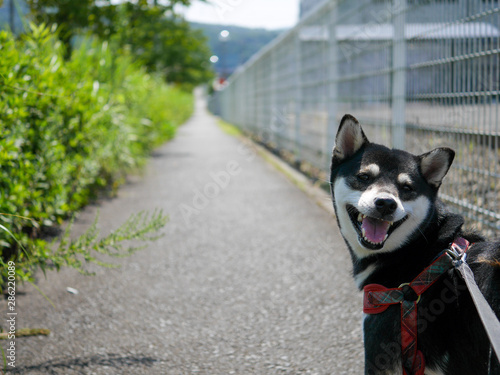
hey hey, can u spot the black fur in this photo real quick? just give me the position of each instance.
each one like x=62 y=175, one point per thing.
x=450 y=334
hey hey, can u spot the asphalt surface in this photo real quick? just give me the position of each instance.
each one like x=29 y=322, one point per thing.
x=251 y=277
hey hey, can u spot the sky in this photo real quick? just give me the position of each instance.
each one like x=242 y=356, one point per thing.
x=267 y=14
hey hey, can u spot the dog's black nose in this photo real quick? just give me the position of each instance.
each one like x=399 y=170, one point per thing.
x=386 y=206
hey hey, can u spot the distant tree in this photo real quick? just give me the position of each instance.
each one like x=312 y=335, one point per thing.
x=165 y=44
x=151 y=29
x=70 y=16
x=96 y=15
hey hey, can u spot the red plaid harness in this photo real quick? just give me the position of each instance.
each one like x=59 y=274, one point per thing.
x=378 y=298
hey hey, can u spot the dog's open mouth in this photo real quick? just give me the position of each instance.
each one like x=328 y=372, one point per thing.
x=372 y=232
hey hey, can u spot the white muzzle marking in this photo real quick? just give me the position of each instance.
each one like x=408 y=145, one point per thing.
x=415 y=211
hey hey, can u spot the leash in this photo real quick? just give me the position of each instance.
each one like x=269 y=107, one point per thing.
x=488 y=317
x=378 y=298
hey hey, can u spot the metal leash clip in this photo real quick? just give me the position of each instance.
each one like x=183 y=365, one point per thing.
x=457 y=255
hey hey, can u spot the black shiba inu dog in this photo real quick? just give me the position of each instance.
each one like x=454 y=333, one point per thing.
x=396 y=228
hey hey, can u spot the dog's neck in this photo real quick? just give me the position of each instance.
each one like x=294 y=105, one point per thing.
x=402 y=265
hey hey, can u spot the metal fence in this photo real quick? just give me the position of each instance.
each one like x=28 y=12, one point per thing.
x=418 y=74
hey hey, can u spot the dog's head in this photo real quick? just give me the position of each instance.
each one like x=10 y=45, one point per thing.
x=382 y=196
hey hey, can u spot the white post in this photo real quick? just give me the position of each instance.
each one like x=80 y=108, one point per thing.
x=273 y=113
x=333 y=58
x=298 y=94
x=398 y=74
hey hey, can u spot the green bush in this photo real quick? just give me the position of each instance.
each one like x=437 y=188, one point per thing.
x=69 y=128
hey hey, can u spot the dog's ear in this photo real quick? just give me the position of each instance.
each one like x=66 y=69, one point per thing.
x=435 y=164
x=349 y=140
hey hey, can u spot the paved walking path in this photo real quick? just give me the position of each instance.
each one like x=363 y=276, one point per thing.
x=251 y=277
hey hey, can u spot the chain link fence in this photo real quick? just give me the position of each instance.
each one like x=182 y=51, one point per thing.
x=418 y=74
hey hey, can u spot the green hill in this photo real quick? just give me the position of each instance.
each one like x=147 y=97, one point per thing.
x=240 y=46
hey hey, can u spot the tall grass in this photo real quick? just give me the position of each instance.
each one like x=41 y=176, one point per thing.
x=68 y=129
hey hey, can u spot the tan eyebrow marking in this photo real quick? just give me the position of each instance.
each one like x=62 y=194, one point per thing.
x=372 y=169
x=404 y=179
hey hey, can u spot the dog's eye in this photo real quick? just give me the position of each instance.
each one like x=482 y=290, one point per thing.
x=363 y=176
x=407 y=188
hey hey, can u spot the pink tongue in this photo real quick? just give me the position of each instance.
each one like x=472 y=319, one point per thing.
x=375 y=230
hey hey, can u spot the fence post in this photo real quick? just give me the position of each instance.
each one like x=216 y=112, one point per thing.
x=398 y=74
x=12 y=17
x=243 y=98
x=298 y=95
x=333 y=83
x=273 y=113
